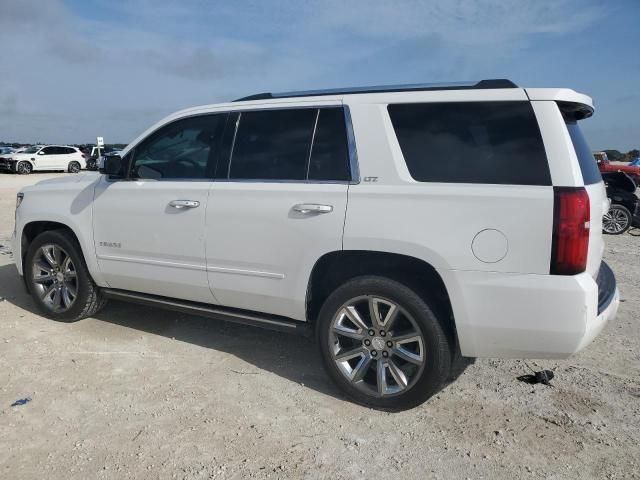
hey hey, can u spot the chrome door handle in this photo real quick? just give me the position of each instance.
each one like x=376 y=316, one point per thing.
x=184 y=203
x=307 y=208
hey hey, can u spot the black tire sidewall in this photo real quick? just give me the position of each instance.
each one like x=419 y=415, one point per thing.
x=71 y=246
x=626 y=212
x=437 y=348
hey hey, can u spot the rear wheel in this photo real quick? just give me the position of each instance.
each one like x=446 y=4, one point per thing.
x=382 y=344
x=58 y=279
x=24 y=168
x=617 y=220
x=74 y=167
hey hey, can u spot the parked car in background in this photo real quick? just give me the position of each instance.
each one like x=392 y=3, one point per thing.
x=43 y=158
x=605 y=166
x=26 y=147
x=388 y=221
x=635 y=163
x=624 y=212
x=4 y=150
x=94 y=161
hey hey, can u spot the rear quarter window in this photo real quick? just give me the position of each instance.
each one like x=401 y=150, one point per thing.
x=588 y=165
x=471 y=142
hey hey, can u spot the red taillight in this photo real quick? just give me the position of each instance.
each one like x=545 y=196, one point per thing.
x=571 y=216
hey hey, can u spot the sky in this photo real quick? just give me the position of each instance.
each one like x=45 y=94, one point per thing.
x=71 y=70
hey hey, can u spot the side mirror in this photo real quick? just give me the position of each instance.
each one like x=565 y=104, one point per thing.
x=40 y=152
x=111 y=166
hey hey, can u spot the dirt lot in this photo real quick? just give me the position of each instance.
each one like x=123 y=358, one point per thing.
x=143 y=393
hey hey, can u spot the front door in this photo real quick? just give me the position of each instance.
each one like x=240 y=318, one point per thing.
x=149 y=227
x=277 y=206
x=47 y=159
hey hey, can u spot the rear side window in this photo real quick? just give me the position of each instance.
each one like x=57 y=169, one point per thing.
x=471 y=142
x=273 y=145
x=329 y=158
x=290 y=144
x=588 y=164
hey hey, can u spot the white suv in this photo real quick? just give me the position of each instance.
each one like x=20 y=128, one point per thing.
x=44 y=157
x=403 y=225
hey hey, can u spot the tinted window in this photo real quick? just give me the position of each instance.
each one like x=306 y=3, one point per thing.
x=588 y=164
x=273 y=144
x=471 y=142
x=68 y=150
x=49 y=150
x=179 y=150
x=329 y=154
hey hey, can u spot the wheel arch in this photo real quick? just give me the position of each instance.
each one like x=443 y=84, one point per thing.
x=335 y=268
x=34 y=228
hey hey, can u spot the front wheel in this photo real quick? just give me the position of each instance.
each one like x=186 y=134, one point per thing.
x=382 y=344
x=24 y=168
x=74 y=167
x=58 y=278
x=617 y=220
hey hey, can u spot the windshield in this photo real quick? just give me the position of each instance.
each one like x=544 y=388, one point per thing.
x=31 y=150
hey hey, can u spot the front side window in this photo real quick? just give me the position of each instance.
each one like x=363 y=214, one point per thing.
x=180 y=150
x=48 y=151
x=471 y=142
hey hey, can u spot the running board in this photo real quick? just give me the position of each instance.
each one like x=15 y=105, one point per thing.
x=244 y=317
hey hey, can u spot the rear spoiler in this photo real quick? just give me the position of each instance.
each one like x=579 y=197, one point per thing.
x=573 y=105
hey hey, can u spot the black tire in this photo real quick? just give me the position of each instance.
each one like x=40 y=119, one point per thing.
x=617 y=220
x=436 y=349
x=88 y=299
x=24 y=168
x=74 y=167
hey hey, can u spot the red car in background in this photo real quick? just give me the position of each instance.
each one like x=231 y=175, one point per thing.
x=605 y=166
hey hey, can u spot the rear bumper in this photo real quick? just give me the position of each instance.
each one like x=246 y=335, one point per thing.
x=530 y=316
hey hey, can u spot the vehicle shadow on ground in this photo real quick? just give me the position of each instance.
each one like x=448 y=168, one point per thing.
x=293 y=357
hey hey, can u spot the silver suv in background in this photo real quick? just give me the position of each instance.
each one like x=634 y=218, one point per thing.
x=44 y=158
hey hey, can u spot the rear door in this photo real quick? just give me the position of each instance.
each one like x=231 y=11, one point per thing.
x=278 y=205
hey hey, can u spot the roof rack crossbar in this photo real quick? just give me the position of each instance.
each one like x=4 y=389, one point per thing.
x=482 y=84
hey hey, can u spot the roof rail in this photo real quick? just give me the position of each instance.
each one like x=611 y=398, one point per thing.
x=417 y=87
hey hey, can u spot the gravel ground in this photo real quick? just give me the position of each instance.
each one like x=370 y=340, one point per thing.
x=143 y=393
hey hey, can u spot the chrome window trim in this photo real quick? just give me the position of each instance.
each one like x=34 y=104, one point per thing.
x=313 y=139
x=351 y=145
x=233 y=143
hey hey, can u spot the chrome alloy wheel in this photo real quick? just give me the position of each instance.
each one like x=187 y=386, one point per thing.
x=24 y=168
x=55 y=278
x=377 y=346
x=614 y=221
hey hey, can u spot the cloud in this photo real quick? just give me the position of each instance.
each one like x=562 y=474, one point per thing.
x=79 y=69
